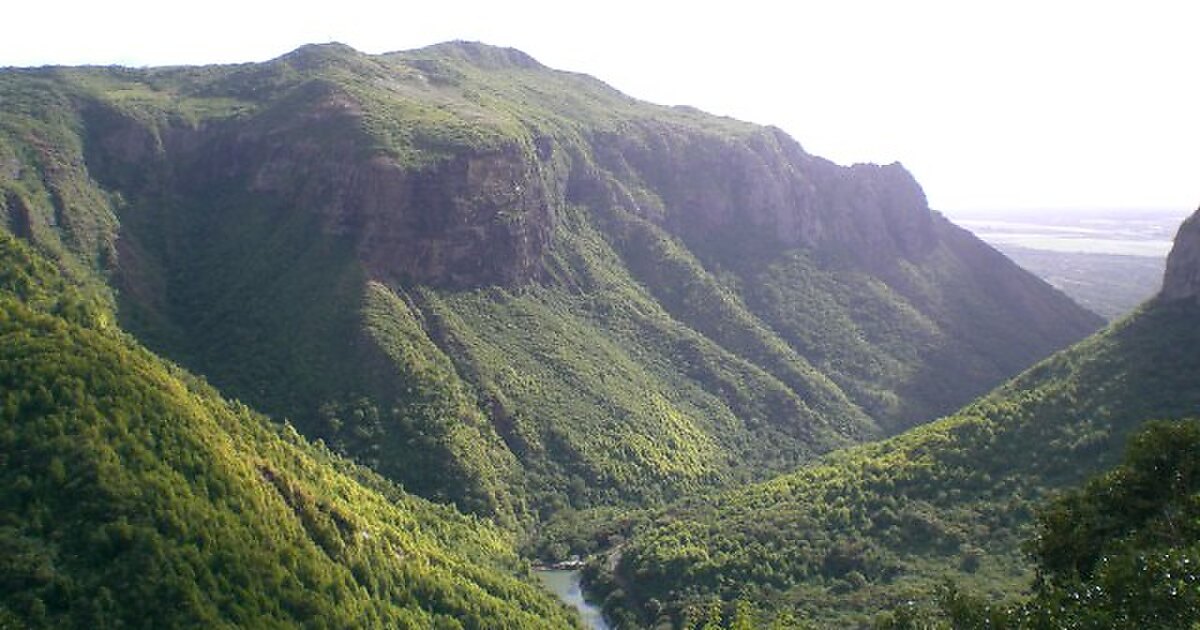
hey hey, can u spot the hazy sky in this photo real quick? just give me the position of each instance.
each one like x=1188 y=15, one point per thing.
x=998 y=104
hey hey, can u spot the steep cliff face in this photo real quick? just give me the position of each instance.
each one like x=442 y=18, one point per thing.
x=478 y=216
x=467 y=215
x=1182 y=280
x=760 y=191
x=507 y=286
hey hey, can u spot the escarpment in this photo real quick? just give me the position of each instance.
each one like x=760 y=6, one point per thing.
x=475 y=217
x=742 y=193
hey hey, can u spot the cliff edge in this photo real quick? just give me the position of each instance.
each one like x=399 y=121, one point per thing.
x=1182 y=280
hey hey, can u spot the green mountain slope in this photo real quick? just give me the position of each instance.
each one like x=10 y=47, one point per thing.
x=131 y=494
x=1123 y=549
x=510 y=287
x=870 y=528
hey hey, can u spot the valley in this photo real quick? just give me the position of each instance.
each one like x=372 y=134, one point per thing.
x=353 y=340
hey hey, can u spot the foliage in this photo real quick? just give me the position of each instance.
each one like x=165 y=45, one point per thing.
x=1119 y=552
x=132 y=494
x=869 y=528
x=643 y=353
x=1124 y=550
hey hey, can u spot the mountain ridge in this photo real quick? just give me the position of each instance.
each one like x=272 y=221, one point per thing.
x=393 y=250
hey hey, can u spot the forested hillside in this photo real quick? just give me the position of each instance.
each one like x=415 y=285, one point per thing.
x=133 y=495
x=505 y=286
x=871 y=529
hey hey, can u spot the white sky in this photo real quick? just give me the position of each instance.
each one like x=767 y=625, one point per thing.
x=992 y=105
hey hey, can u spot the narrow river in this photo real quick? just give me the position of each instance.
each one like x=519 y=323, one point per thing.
x=565 y=584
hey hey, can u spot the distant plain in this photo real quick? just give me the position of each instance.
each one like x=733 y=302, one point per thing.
x=1108 y=260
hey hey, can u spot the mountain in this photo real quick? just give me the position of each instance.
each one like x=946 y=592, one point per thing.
x=132 y=494
x=505 y=286
x=877 y=527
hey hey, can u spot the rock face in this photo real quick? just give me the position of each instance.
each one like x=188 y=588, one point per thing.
x=764 y=191
x=470 y=214
x=477 y=217
x=485 y=216
x=1182 y=280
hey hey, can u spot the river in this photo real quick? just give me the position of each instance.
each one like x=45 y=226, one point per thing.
x=565 y=584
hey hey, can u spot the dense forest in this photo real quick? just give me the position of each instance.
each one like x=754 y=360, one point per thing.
x=347 y=340
x=868 y=529
x=1120 y=552
x=133 y=495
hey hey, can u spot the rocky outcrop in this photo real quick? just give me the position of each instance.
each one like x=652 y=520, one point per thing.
x=475 y=219
x=18 y=216
x=1182 y=280
x=762 y=190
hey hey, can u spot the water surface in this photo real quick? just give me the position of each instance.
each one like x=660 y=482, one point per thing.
x=565 y=584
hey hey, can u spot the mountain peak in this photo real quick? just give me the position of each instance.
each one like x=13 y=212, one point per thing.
x=327 y=48
x=483 y=55
x=316 y=56
x=1182 y=280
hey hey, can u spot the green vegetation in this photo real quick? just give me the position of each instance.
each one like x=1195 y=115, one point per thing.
x=132 y=494
x=867 y=529
x=1120 y=552
x=580 y=378
x=518 y=293
x=506 y=287
x=1125 y=549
